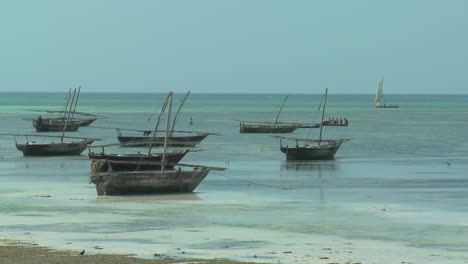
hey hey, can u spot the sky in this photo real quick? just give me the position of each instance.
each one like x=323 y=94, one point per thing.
x=235 y=46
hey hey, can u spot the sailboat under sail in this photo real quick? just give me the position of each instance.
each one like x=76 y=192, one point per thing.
x=379 y=103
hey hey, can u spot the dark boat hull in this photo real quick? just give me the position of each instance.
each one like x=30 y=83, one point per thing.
x=129 y=162
x=274 y=128
x=53 y=149
x=266 y=129
x=325 y=152
x=173 y=141
x=56 y=127
x=388 y=106
x=148 y=182
x=57 y=124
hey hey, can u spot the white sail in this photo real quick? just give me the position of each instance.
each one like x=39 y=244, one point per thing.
x=378 y=96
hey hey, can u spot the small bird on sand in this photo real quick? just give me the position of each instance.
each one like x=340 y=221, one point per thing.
x=81 y=253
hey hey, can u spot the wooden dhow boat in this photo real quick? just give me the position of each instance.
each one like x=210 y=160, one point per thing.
x=137 y=161
x=31 y=148
x=176 y=138
x=147 y=182
x=190 y=139
x=273 y=127
x=310 y=149
x=57 y=124
x=137 y=182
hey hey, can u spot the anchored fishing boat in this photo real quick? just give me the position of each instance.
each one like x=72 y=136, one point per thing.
x=273 y=127
x=165 y=180
x=176 y=138
x=32 y=148
x=310 y=149
x=57 y=124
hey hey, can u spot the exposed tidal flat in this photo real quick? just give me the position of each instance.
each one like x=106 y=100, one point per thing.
x=397 y=192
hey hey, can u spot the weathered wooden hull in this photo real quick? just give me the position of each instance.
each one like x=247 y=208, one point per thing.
x=324 y=152
x=128 y=162
x=57 y=124
x=173 y=141
x=53 y=149
x=55 y=127
x=148 y=182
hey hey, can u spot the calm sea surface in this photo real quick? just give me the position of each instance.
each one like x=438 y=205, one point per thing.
x=400 y=184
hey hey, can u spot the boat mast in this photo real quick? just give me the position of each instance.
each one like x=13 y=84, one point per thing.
x=76 y=102
x=177 y=113
x=168 y=122
x=66 y=106
x=323 y=114
x=279 y=111
x=68 y=116
x=150 y=142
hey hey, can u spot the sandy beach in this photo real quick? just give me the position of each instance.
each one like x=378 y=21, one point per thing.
x=14 y=253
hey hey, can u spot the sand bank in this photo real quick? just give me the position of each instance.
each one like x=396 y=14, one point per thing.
x=13 y=253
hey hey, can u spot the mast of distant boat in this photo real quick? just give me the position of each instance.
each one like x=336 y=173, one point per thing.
x=323 y=114
x=177 y=113
x=163 y=109
x=279 y=111
x=168 y=122
x=68 y=116
x=76 y=101
x=66 y=105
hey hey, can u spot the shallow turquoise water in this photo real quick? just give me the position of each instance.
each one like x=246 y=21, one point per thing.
x=390 y=183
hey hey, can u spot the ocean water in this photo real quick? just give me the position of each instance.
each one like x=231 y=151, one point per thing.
x=397 y=191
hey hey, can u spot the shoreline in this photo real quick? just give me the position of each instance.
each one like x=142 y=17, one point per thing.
x=22 y=253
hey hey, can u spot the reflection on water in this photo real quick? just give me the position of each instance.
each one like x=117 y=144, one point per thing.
x=310 y=174
x=319 y=165
x=148 y=198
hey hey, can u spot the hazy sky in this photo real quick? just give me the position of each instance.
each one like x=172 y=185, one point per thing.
x=263 y=46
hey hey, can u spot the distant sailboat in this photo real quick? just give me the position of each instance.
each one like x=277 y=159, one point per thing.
x=379 y=98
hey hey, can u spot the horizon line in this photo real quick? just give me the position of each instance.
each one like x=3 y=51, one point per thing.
x=233 y=93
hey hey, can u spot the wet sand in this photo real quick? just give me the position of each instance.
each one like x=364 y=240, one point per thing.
x=24 y=254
